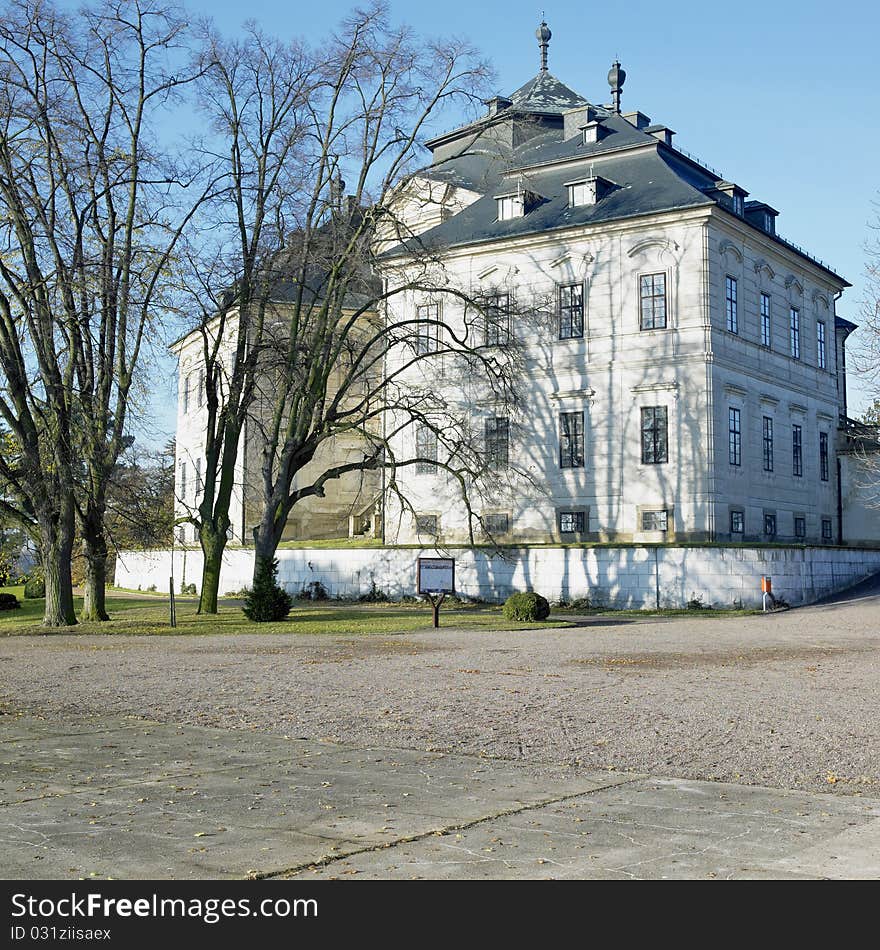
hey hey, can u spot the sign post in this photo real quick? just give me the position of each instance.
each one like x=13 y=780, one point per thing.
x=436 y=579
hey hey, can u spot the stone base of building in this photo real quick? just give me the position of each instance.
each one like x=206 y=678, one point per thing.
x=626 y=576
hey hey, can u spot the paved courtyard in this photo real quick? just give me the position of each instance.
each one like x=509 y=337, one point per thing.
x=617 y=748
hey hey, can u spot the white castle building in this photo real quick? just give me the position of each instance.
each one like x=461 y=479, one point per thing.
x=683 y=364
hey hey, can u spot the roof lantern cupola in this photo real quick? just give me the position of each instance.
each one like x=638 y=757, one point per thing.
x=616 y=79
x=543 y=35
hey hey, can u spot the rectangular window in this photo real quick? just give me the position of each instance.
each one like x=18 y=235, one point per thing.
x=510 y=206
x=797 y=451
x=496 y=523
x=768 y=444
x=766 y=332
x=652 y=296
x=654 y=435
x=497 y=432
x=426 y=524
x=730 y=305
x=198 y=479
x=426 y=449
x=821 y=355
x=200 y=393
x=183 y=481
x=572 y=522
x=428 y=328
x=795 y=332
x=800 y=526
x=186 y=393
x=823 y=456
x=497 y=325
x=582 y=193
x=826 y=529
x=737 y=522
x=655 y=520
x=734 y=437
x=770 y=524
x=571 y=440
x=571 y=311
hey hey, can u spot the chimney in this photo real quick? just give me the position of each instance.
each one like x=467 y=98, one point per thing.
x=661 y=132
x=638 y=119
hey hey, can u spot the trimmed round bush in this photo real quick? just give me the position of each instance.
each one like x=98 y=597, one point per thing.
x=34 y=588
x=9 y=602
x=526 y=607
x=266 y=601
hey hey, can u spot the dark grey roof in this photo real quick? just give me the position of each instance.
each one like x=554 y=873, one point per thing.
x=645 y=182
x=545 y=94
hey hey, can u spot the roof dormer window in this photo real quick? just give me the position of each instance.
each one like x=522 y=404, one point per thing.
x=510 y=206
x=593 y=132
x=738 y=205
x=587 y=191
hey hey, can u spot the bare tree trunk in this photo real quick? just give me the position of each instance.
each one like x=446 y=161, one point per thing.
x=268 y=536
x=213 y=546
x=56 y=548
x=95 y=551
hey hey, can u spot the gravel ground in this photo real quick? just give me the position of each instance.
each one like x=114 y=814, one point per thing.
x=788 y=700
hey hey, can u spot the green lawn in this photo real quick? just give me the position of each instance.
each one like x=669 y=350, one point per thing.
x=149 y=616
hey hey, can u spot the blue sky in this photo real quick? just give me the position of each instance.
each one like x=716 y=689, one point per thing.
x=781 y=97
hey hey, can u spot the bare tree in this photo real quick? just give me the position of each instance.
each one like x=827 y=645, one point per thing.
x=355 y=358
x=253 y=92
x=94 y=211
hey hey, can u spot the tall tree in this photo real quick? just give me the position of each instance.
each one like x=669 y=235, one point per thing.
x=253 y=93
x=94 y=211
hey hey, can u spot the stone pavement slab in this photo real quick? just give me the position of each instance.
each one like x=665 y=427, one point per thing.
x=648 y=829
x=128 y=798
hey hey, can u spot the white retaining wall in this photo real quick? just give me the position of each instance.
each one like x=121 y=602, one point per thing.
x=630 y=576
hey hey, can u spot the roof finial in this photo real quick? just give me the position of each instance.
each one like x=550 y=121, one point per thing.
x=616 y=79
x=543 y=34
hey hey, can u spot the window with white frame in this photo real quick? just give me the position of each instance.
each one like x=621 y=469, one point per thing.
x=770 y=524
x=427 y=524
x=730 y=304
x=800 y=526
x=186 y=393
x=582 y=193
x=572 y=522
x=794 y=324
x=571 y=311
x=426 y=450
x=571 y=439
x=497 y=439
x=767 y=440
x=737 y=521
x=496 y=329
x=652 y=301
x=734 y=436
x=655 y=437
x=826 y=529
x=510 y=206
x=427 y=328
x=766 y=329
x=797 y=451
x=821 y=354
x=496 y=523
x=655 y=520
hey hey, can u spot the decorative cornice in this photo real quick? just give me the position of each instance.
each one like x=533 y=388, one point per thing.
x=819 y=297
x=663 y=386
x=726 y=246
x=761 y=264
x=664 y=243
x=483 y=274
x=732 y=390
x=792 y=281
x=767 y=399
x=797 y=407
x=586 y=393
